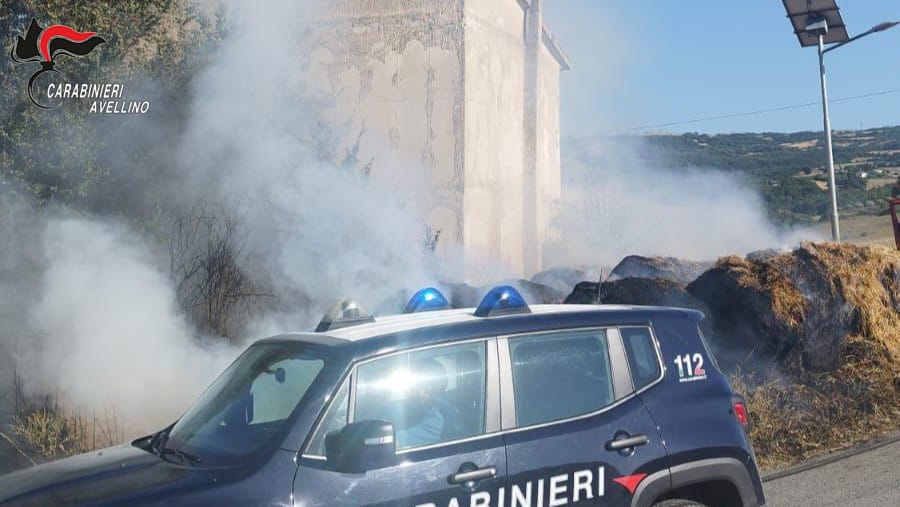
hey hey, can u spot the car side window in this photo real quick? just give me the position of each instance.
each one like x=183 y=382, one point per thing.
x=430 y=396
x=642 y=358
x=560 y=375
x=334 y=419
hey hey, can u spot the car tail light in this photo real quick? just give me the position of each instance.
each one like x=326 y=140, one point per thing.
x=740 y=411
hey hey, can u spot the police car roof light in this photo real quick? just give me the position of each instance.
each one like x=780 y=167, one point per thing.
x=426 y=300
x=502 y=300
x=344 y=313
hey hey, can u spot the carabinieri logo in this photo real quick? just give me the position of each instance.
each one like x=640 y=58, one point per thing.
x=45 y=44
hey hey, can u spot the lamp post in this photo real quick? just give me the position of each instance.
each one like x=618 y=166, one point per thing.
x=819 y=22
x=880 y=27
x=829 y=152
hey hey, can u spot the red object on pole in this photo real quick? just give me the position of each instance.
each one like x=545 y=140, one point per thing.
x=895 y=220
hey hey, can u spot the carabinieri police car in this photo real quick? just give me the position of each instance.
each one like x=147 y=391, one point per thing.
x=505 y=405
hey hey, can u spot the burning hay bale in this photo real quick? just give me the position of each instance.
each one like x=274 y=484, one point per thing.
x=812 y=338
x=810 y=307
x=639 y=291
x=651 y=292
x=681 y=271
x=758 y=308
x=564 y=278
x=584 y=293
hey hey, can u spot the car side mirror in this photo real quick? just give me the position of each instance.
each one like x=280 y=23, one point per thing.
x=360 y=446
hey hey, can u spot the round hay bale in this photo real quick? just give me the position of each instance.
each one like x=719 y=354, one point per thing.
x=637 y=266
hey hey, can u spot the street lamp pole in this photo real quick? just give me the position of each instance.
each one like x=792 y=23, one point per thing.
x=835 y=221
x=819 y=22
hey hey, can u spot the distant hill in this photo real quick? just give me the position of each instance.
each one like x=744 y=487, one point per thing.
x=788 y=169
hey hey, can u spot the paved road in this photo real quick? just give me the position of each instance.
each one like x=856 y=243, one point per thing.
x=868 y=479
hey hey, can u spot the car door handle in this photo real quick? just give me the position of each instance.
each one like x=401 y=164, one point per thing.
x=625 y=443
x=473 y=475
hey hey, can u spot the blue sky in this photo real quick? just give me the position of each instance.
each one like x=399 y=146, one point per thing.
x=642 y=62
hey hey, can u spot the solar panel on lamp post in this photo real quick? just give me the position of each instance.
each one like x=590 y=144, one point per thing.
x=817 y=23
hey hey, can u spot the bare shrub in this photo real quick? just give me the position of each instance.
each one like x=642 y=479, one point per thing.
x=206 y=252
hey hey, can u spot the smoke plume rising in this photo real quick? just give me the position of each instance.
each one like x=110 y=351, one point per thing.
x=106 y=335
x=259 y=142
x=99 y=316
x=102 y=329
x=617 y=203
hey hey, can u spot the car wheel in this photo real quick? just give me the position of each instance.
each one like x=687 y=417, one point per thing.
x=678 y=503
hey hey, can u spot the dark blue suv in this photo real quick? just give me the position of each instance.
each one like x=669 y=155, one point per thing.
x=506 y=405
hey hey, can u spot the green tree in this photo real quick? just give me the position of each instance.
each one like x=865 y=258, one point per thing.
x=65 y=154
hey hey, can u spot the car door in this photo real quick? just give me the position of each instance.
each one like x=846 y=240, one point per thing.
x=444 y=404
x=575 y=432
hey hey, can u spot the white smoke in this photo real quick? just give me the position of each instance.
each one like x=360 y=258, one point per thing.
x=104 y=330
x=617 y=203
x=260 y=140
x=104 y=326
x=107 y=335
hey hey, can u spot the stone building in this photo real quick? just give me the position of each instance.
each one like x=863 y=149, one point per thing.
x=462 y=97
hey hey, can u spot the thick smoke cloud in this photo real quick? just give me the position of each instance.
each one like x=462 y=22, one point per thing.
x=259 y=141
x=95 y=315
x=106 y=335
x=618 y=203
x=96 y=323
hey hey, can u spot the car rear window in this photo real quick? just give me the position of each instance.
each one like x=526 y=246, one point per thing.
x=557 y=376
x=642 y=357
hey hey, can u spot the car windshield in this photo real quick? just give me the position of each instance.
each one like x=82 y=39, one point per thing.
x=249 y=405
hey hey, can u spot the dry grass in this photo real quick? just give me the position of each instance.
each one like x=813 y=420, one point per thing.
x=52 y=433
x=798 y=412
x=861 y=229
x=46 y=430
x=869 y=279
x=769 y=278
x=791 y=421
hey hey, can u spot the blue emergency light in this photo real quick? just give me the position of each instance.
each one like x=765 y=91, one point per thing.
x=426 y=300
x=502 y=300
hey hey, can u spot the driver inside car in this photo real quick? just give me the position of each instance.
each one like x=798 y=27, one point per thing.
x=424 y=407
